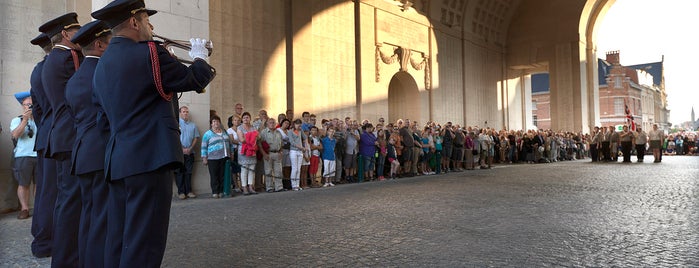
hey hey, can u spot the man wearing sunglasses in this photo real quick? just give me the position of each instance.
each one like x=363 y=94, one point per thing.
x=25 y=169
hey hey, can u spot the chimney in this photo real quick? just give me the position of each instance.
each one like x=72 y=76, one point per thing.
x=613 y=57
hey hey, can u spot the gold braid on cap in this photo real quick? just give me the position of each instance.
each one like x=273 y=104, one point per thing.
x=133 y=12
x=70 y=25
x=103 y=32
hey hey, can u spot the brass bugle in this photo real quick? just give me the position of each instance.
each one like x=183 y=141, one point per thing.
x=185 y=45
x=181 y=44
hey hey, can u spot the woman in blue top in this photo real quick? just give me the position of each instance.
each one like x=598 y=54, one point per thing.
x=215 y=150
x=367 y=149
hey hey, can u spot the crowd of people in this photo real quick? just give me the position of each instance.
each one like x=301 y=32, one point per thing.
x=98 y=135
x=288 y=153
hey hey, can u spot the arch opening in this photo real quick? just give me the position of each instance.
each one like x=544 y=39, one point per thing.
x=403 y=97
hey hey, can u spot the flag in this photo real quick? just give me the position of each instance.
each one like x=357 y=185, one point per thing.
x=629 y=117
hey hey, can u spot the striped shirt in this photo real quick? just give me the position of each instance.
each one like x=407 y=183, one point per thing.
x=215 y=145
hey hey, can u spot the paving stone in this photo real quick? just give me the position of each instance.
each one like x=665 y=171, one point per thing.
x=572 y=213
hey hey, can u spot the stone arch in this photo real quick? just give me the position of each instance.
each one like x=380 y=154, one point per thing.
x=403 y=97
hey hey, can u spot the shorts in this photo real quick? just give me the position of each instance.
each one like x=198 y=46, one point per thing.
x=425 y=157
x=446 y=151
x=25 y=170
x=655 y=144
x=349 y=161
x=328 y=168
x=368 y=163
x=407 y=155
x=315 y=161
x=458 y=154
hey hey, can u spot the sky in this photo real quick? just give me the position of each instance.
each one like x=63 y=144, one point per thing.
x=645 y=30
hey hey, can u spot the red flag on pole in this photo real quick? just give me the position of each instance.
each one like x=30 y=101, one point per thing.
x=629 y=117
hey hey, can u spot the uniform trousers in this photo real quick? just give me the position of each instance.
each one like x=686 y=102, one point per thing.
x=640 y=151
x=66 y=217
x=594 y=152
x=626 y=150
x=606 y=151
x=42 y=220
x=93 y=219
x=139 y=215
x=614 y=151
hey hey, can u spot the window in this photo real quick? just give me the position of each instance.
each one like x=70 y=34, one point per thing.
x=618 y=106
x=534 y=120
x=534 y=105
x=617 y=82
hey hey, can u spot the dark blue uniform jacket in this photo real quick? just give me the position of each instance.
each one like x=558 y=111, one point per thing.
x=91 y=137
x=58 y=68
x=144 y=131
x=41 y=109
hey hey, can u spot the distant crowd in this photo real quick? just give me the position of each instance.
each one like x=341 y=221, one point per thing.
x=261 y=153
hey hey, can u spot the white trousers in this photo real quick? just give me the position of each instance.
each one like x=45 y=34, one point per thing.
x=296 y=162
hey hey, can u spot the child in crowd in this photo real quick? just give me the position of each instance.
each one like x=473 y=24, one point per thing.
x=382 y=151
x=328 y=146
x=392 y=157
x=316 y=147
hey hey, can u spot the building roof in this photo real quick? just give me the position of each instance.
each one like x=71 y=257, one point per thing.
x=603 y=68
x=540 y=83
x=654 y=68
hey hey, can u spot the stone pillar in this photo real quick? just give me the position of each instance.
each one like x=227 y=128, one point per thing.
x=592 y=89
x=569 y=102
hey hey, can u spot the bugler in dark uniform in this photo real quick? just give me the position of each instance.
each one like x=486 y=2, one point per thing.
x=45 y=200
x=58 y=68
x=90 y=141
x=135 y=81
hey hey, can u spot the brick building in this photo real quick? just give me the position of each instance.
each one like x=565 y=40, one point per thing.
x=640 y=87
x=541 y=101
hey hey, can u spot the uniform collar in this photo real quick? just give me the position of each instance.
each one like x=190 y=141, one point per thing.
x=62 y=46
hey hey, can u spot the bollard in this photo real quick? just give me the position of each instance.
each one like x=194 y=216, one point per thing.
x=227 y=179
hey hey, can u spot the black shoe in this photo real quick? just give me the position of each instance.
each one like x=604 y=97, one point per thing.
x=41 y=254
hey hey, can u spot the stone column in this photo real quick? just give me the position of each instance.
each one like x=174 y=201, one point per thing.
x=569 y=102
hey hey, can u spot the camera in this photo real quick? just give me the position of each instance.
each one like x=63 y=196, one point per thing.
x=31 y=107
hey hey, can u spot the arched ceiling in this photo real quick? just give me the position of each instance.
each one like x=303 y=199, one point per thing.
x=486 y=20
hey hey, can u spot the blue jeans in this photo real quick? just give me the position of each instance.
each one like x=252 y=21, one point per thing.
x=381 y=162
x=368 y=163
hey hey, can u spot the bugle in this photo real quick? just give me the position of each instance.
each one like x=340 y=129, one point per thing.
x=187 y=46
x=181 y=44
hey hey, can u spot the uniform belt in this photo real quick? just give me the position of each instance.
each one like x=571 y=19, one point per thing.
x=274 y=151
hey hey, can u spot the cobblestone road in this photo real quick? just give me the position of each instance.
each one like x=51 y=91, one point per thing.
x=561 y=214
